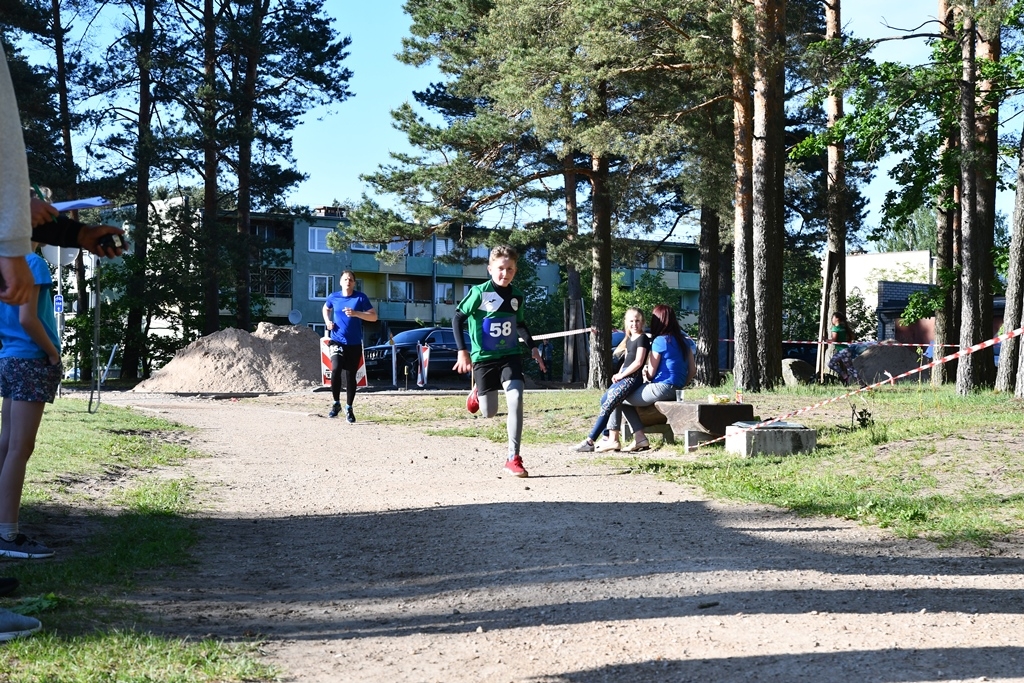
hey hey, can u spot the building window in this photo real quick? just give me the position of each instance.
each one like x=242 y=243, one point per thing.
x=445 y=293
x=400 y=290
x=359 y=284
x=673 y=262
x=320 y=286
x=319 y=328
x=273 y=282
x=318 y=240
x=691 y=261
x=363 y=246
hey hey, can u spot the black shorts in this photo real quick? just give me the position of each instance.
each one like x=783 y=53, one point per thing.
x=491 y=375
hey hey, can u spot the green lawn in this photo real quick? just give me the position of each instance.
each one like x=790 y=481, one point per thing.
x=96 y=476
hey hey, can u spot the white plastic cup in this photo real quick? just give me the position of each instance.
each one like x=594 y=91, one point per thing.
x=680 y=395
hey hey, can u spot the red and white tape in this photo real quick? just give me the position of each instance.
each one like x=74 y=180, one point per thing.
x=827 y=342
x=891 y=380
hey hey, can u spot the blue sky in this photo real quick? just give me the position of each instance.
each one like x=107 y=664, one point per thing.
x=335 y=147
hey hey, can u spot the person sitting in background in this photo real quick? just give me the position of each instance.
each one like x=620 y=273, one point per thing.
x=671 y=367
x=635 y=347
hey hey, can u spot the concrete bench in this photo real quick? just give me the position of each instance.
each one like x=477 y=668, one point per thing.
x=692 y=421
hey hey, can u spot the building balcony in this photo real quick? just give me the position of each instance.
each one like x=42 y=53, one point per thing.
x=364 y=263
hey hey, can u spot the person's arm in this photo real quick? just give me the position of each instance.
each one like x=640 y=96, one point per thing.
x=463 y=360
x=29 y=319
x=67 y=232
x=691 y=362
x=638 y=362
x=15 y=219
x=524 y=333
x=366 y=311
x=651 y=369
x=328 y=314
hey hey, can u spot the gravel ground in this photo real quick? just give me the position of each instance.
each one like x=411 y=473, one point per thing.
x=375 y=553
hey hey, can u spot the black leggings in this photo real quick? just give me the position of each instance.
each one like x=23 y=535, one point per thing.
x=344 y=363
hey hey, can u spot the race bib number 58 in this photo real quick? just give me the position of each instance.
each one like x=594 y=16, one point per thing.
x=499 y=333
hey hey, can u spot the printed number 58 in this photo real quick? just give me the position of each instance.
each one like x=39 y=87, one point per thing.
x=502 y=330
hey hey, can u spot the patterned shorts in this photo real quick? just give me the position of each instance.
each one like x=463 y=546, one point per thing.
x=29 y=379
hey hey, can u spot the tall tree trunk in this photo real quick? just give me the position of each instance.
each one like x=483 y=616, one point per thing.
x=707 y=339
x=836 y=202
x=64 y=110
x=573 y=345
x=1007 y=375
x=210 y=241
x=989 y=49
x=745 y=369
x=768 y=177
x=134 y=336
x=969 y=371
x=246 y=133
x=601 y=315
x=946 y=209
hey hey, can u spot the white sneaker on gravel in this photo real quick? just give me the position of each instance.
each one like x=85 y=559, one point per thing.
x=585 y=446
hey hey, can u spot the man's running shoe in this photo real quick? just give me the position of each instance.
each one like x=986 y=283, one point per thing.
x=515 y=466
x=473 y=401
x=335 y=409
x=349 y=415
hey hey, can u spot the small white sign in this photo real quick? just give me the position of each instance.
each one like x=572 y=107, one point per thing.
x=58 y=303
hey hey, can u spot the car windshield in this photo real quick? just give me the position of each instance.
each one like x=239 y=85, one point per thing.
x=410 y=336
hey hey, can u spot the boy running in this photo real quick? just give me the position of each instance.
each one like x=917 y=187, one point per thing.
x=495 y=313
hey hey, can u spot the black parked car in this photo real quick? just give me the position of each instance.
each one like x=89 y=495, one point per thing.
x=443 y=353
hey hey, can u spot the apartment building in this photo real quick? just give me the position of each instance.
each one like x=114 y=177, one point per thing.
x=417 y=289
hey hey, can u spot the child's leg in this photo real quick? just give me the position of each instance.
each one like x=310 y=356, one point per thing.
x=488 y=402
x=20 y=425
x=514 y=425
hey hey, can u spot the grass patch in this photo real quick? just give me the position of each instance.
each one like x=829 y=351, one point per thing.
x=129 y=657
x=105 y=475
x=927 y=462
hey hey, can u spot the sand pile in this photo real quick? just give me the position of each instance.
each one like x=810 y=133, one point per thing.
x=274 y=358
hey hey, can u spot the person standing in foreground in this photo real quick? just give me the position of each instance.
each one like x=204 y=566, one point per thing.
x=496 y=316
x=344 y=313
x=15 y=277
x=30 y=370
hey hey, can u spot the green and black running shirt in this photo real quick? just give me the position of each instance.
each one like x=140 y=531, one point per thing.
x=493 y=315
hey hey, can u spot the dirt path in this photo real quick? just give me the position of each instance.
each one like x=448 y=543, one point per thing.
x=371 y=553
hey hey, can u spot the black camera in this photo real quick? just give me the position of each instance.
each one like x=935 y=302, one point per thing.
x=113 y=241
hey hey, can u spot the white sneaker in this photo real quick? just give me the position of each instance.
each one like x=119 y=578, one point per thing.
x=584 y=446
x=606 y=445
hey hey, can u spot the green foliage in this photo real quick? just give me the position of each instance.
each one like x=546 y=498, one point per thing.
x=922 y=305
x=649 y=290
x=801 y=296
x=860 y=317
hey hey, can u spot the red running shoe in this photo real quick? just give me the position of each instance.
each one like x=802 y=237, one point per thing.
x=473 y=401
x=515 y=467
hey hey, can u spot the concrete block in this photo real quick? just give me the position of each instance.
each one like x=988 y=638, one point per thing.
x=780 y=438
x=693 y=438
